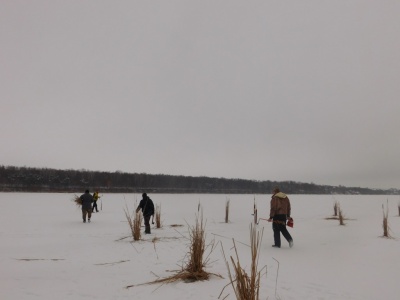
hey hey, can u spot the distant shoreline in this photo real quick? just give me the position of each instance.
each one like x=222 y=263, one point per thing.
x=36 y=180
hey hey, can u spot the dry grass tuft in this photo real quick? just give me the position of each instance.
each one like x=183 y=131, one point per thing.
x=77 y=200
x=134 y=221
x=158 y=216
x=194 y=268
x=246 y=286
x=227 y=210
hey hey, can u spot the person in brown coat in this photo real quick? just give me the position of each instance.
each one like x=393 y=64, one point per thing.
x=279 y=213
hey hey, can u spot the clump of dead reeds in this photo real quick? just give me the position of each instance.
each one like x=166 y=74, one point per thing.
x=385 y=220
x=227 y=211
x=134 y=221
x=158 y=216
x=77 y=200
x=195 y=260
x=246 y=286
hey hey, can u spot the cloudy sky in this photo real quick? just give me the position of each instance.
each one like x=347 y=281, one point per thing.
x=267 y=90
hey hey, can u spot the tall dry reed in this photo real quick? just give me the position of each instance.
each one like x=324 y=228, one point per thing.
x=196 y=263
x=341 y=216
x=335 y=208
x=158 y=216
x=385 y=220
x=246 y=286
x=227 y=211
x=134 y=221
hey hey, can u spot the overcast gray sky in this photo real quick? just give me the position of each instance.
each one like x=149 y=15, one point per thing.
x=267 y=90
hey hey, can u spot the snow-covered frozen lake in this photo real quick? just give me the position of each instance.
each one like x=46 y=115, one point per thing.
x=47 y=252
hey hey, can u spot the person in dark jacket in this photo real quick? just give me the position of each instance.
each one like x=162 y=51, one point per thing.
x=87 y=200
x=280 y=212
x=147 y=207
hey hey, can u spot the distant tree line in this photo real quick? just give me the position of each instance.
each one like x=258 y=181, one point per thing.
x=25 y=179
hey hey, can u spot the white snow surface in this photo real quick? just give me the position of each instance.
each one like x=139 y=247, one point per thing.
x=47 y=252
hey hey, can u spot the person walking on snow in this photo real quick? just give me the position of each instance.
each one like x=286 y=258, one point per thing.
x=87 y=200
x=279 y=213
x=95 y=198
x=147 y=207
